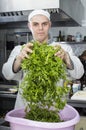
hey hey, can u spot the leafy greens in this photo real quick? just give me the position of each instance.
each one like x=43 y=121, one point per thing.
x=40 y=86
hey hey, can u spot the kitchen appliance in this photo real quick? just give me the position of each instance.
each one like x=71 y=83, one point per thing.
x=63 y=12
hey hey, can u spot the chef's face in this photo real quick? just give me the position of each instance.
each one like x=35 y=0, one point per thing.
x=39 y=26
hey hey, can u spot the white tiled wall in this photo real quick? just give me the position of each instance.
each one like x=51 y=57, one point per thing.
x=77 y=48
x=68 y=31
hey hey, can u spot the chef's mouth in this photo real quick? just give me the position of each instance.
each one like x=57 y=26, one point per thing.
x=40 y=33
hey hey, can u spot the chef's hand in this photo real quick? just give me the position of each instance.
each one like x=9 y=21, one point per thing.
x=27 y=48
x=64 y=56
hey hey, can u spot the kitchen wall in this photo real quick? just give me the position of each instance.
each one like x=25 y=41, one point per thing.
x=77 y=48
x=69 y=31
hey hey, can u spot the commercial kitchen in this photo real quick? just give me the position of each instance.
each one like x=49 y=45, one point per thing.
x=68 y=19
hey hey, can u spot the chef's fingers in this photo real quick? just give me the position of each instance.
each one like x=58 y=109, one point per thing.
x=26 y=49
x=58 y=47
x=61 y=54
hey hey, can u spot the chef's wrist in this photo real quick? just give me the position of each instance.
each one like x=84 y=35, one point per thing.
x=69 y=62
x=16 y=65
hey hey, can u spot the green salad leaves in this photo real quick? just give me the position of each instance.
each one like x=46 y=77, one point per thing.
x=40 y=86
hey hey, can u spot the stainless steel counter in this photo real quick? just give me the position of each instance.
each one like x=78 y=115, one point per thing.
x=4 y=128
x=77 y=103
x=7 y=101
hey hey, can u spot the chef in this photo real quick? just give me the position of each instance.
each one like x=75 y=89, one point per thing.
x=39 y=24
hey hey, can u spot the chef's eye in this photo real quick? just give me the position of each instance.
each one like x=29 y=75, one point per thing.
x=35 y=24
x=45 y=23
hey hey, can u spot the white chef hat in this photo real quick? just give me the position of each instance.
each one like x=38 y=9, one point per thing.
x=37 y=12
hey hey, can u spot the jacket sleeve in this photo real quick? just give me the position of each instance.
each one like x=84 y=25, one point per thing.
x=78 y=70
x=7 y=67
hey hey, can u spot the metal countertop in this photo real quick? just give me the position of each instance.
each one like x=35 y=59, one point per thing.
x=4 y=128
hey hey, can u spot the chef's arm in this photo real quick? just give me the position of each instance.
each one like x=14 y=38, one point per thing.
x=27 y=49
x=7 y=68
x=73 y=64
x=16 y=64
x=78 y=70
x=68 y=62
x=64 y=56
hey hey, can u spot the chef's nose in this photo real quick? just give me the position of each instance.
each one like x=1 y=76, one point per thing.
x=40 y=26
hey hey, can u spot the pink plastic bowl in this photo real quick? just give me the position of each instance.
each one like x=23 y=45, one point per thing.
x=17 y=122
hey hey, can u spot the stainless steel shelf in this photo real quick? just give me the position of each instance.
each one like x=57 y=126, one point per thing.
x=77 y=103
